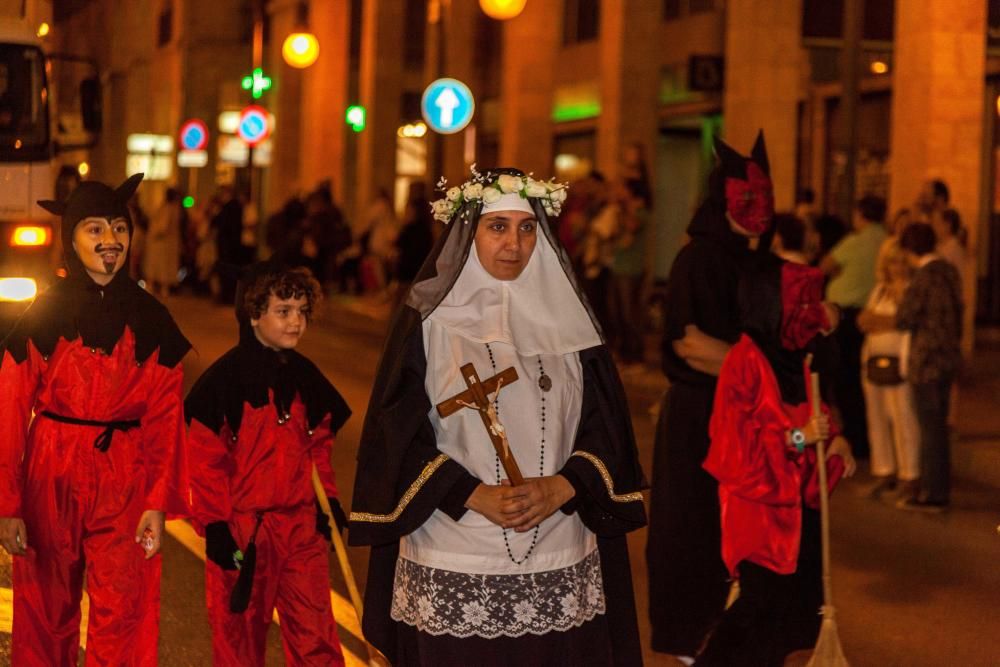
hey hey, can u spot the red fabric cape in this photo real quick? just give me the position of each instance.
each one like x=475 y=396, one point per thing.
x=762 y=481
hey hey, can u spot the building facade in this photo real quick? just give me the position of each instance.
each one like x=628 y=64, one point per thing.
x=568 y=86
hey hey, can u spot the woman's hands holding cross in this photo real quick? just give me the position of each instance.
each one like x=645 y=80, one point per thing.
x=524 y=506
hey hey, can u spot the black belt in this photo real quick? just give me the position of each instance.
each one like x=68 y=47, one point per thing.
x=103 y=441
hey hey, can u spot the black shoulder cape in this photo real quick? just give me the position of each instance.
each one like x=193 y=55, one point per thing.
x=249 y=373
x=77 y=307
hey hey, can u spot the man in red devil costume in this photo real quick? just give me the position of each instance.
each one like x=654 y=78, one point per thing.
x=260 y=418
x=762 y=437
x=687 y=579
x=85 y=483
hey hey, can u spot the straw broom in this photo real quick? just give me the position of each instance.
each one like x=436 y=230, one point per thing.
x=828 y=652
x=375 y=657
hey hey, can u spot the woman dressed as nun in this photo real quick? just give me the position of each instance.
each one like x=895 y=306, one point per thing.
x=468 y=566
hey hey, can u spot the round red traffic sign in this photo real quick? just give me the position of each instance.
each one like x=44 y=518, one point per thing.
x=194 y=135
x=254 y=126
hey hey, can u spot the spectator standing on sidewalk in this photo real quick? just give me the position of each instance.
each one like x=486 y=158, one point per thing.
x=893 y=430
x=851 y=269
x=951 y=235
x=163 y=246
x=627 y=270
x=931 y=309
x=790 y=238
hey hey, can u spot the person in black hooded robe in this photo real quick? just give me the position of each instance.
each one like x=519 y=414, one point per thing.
x=688 y=582
x=92 y=453
x=464 y=568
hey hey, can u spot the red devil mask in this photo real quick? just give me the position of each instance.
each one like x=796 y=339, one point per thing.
x=802 y=312
x=747 y=183
x=750 y=202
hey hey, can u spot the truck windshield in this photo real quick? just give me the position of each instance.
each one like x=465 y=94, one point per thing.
x=24 y=127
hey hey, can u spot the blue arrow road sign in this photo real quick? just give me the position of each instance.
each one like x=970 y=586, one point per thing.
x=447 y=106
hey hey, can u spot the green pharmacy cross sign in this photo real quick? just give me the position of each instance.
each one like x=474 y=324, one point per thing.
x=257 y=83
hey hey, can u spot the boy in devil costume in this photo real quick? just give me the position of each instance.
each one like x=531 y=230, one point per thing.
x=85 y=484
x=762 y=454
x=260 y=418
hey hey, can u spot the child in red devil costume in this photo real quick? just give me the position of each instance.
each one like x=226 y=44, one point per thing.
x=92 y=449
x=260 y=418
x=762 y=453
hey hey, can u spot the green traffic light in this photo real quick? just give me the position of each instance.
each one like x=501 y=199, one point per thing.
x=355 y=117
x=188 y=202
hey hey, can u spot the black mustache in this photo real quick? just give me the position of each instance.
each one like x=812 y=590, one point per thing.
x=118 y=247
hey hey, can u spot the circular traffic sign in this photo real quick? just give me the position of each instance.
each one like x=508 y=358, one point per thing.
x=447 y=106
x=194 y=135
x=253 y=127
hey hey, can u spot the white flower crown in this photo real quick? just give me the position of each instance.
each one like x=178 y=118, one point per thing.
x=489 y=187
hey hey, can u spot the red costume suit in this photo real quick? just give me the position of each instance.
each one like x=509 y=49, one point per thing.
x=259 y=420
x=90 y=399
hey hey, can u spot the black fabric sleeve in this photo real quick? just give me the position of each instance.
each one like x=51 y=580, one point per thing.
x=453 y=504
x=403 y=478
x=604 y=469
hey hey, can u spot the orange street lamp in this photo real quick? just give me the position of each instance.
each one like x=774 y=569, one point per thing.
x=502 y=9
x=300 y=49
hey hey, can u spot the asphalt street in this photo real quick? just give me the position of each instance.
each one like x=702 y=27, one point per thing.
x=910 y=590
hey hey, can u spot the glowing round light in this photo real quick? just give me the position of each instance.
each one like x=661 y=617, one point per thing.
x=83 y=169
x=879 y=67
x=300 y=49
x=188 y=202
x=502 y=9
x=17 y=289
x=43 y=29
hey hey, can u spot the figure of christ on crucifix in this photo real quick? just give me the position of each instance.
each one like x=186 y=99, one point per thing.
x=477 y=397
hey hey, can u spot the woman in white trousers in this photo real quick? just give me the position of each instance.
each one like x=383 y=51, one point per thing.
x=893 y=429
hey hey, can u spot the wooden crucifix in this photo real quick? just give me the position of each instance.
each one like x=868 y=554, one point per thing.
x=477 y=397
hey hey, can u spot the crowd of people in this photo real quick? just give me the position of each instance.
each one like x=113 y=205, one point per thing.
x=898 y=282
x=498 y=537
x=206 y=247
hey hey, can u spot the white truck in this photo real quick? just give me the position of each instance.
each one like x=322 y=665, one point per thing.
x=28 y=252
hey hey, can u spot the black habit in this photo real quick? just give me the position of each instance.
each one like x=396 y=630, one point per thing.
x=403 y=478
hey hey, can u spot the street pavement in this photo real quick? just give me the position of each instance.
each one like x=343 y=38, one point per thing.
x=910 y=589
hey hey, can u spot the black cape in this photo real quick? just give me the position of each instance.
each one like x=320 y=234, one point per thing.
x=76 y=307
x=687 y=577
x=403 y=478
x=249 y=374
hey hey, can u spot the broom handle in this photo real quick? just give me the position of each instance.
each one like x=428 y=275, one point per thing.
x=374 y=656
x=824 y=499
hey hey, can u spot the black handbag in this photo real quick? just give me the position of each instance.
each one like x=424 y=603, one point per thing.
x=883 y=370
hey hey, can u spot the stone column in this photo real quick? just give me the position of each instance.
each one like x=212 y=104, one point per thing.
x=284 y=100
x=530 y=49
x=381 y=83
x=324 y=97
x=461 y=20
x=763 y=61
x=629 y=82
x=938 y=112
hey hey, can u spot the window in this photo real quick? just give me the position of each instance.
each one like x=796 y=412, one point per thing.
x=582 y=21
x=825 y=19
x=415 y=18
x=165 y=26
x=676 y=9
